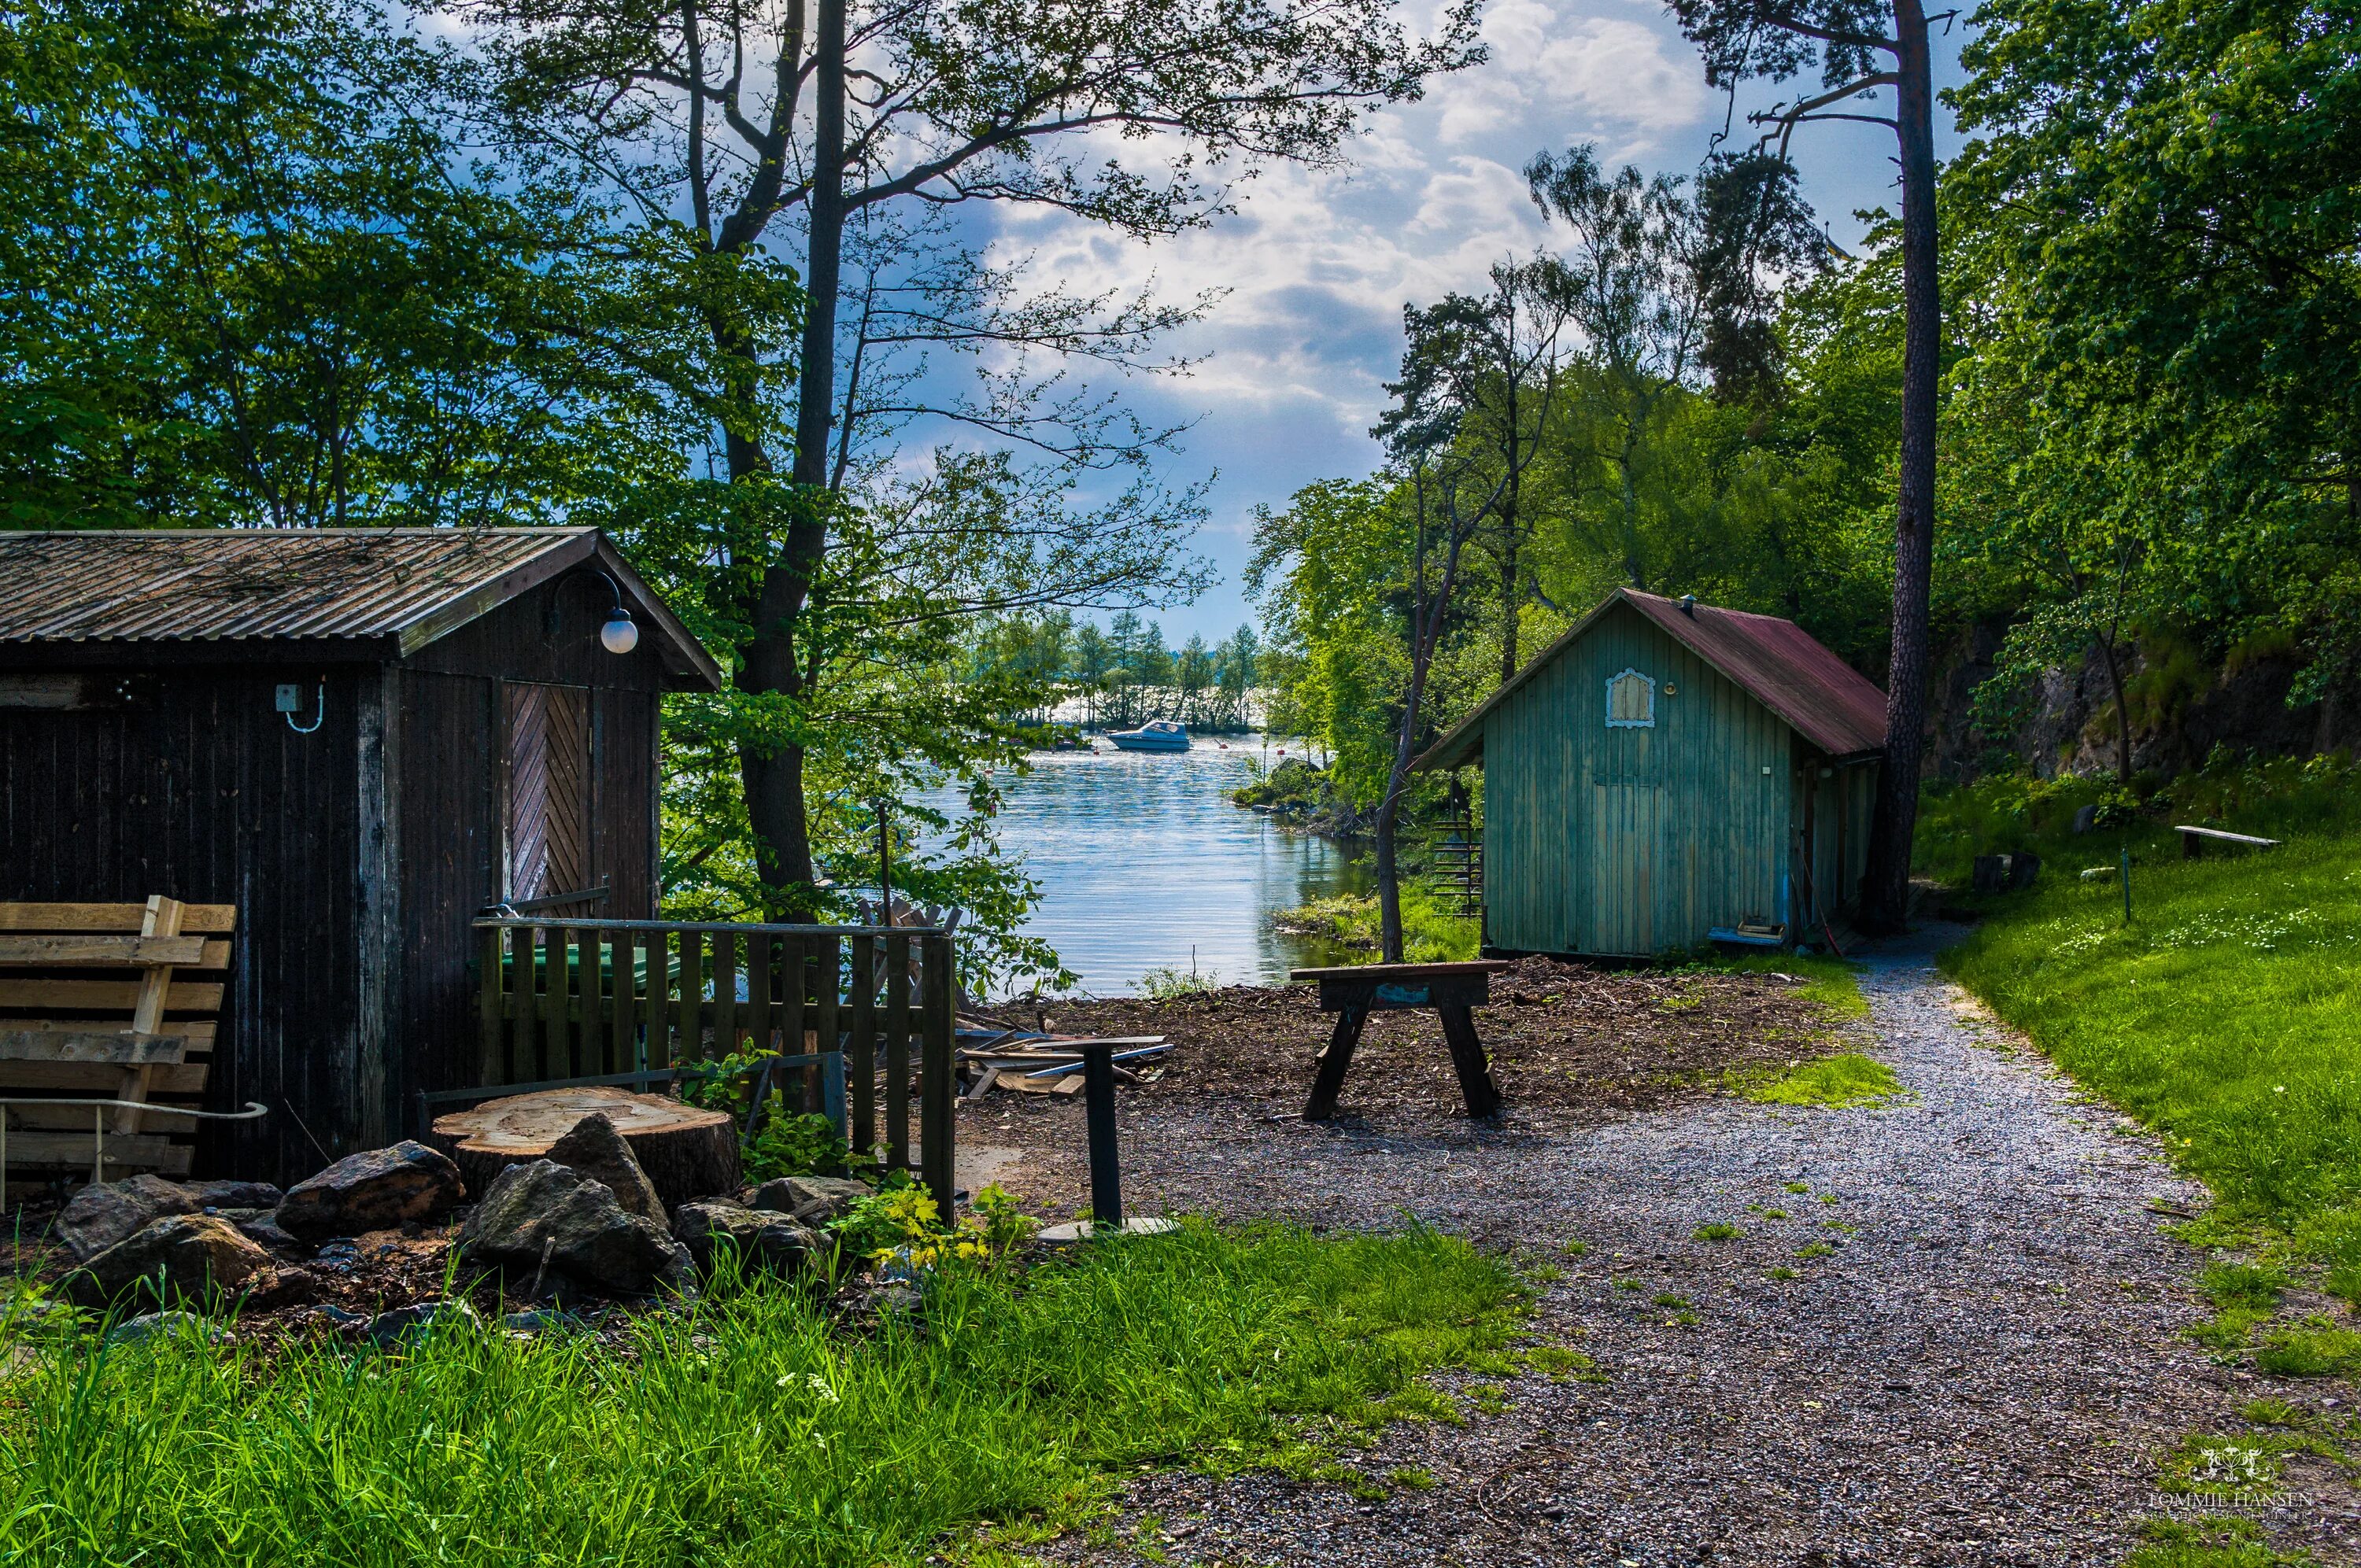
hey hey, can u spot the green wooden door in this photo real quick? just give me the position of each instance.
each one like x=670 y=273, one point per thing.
x=1625 y=818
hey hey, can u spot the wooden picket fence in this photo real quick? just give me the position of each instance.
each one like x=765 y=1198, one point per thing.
x=562 y=1000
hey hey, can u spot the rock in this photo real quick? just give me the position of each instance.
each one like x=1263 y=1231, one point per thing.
x=595 y=1150
x=343 y=1319
x=763 y=1237
x=814 y=1200
x=371 y=1192
x=420 y=1320
x=191 y=1255
x=541 y=1319
x=151 y=1325
x=261 y=1226
x=232 y=1194
x=270 y=1289
x=544 y=1215
x=98 y=1217
x=879 y=1302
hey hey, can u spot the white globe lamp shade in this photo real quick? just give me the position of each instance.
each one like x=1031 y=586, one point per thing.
x=621 y=634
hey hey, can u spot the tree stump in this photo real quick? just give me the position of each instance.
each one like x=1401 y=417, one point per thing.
x=686 y=1152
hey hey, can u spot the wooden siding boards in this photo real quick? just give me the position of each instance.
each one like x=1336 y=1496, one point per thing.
x=1628 y=842
x=202 y=792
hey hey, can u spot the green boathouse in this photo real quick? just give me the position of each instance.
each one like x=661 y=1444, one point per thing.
x=1668 y=774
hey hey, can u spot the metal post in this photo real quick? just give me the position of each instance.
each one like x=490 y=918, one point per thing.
x=1098 y=1104
x=2124 y=874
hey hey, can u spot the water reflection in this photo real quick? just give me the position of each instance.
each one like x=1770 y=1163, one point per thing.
x=1143 y=858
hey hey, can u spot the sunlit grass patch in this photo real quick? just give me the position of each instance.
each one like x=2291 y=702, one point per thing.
x=2208 y=1543
x=2313 y=1348
x=749 y=1429
x=1434 y=929
x=1833 y=984
x=1845 y=1080
x=2226 y=1015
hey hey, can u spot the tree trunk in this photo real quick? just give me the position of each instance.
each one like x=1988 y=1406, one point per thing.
x=1886 y=884
x=1511 y=602
x=1390 y=920
x=774 y=779
x=2112 y=654
x=685 y=1152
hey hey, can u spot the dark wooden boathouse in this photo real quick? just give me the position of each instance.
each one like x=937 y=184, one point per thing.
x=361 y=738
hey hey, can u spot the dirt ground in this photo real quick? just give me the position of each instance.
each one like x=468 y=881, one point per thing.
x=1570 y=1046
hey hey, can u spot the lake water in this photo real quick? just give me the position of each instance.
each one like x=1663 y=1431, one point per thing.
x=1143 y=858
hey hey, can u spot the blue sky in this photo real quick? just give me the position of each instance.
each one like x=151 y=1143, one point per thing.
x=1317 y=265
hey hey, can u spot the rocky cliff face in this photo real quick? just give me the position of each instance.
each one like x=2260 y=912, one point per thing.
x=2182 y=708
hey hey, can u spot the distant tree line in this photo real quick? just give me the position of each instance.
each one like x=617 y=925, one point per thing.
x=1124 y=675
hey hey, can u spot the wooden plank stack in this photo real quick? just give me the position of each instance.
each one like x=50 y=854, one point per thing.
x=1016 y=1060
x=108 y=1000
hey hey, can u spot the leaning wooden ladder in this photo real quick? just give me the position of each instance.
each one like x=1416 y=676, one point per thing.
x=98 y=1018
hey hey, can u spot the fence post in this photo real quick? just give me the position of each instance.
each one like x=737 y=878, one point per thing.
x=938 y=1086
x=861 y=1065
x=492 y=1060
x=897 y=1053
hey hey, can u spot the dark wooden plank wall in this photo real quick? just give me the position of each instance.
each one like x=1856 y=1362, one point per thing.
x=453 y=847
x=455 y=802
x=203 y=792
x=523 y=640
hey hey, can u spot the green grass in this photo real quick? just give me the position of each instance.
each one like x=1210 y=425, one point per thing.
x=2209 y=1543
x=749 y=1431
x=1432 y=932
x=2224 y=1016
x=1846 y=1079
x=1720 y=1231
x=1832 y=983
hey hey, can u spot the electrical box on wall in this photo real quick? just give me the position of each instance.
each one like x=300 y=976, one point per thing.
x=289 y=699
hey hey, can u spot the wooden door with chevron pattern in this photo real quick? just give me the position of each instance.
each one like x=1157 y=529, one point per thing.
x=550 y=777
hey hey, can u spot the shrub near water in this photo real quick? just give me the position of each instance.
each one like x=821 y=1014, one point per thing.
x=750 y=1432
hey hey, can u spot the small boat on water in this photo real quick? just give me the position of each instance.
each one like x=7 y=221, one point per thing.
x=1156 y=735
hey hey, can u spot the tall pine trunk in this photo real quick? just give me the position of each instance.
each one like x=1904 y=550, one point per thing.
x=774 y=778
x=1886 y=884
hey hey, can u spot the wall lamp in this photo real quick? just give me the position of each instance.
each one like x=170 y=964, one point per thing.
x=621 y=633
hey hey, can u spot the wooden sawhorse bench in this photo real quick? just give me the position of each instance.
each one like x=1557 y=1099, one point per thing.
x=1453 y=990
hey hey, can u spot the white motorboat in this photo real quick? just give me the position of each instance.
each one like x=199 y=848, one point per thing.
x=1156 y=735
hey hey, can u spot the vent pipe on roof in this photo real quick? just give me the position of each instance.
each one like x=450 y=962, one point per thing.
x=1688 y=604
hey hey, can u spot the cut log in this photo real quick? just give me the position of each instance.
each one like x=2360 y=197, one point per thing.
x=686 y=1152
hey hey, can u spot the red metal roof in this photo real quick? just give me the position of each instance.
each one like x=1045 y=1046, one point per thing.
x=1775 y=662
x=1782 y=666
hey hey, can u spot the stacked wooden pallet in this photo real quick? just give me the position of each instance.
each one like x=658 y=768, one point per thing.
x=114 y=1002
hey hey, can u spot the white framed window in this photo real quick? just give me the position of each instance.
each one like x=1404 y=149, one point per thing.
x=1630 y=701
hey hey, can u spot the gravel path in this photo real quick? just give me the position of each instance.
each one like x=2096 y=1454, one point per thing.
x=1982 y=1368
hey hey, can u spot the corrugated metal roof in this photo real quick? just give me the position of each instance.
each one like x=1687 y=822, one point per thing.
x=1776 y=662
x=212 y=583
x=389 y=591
